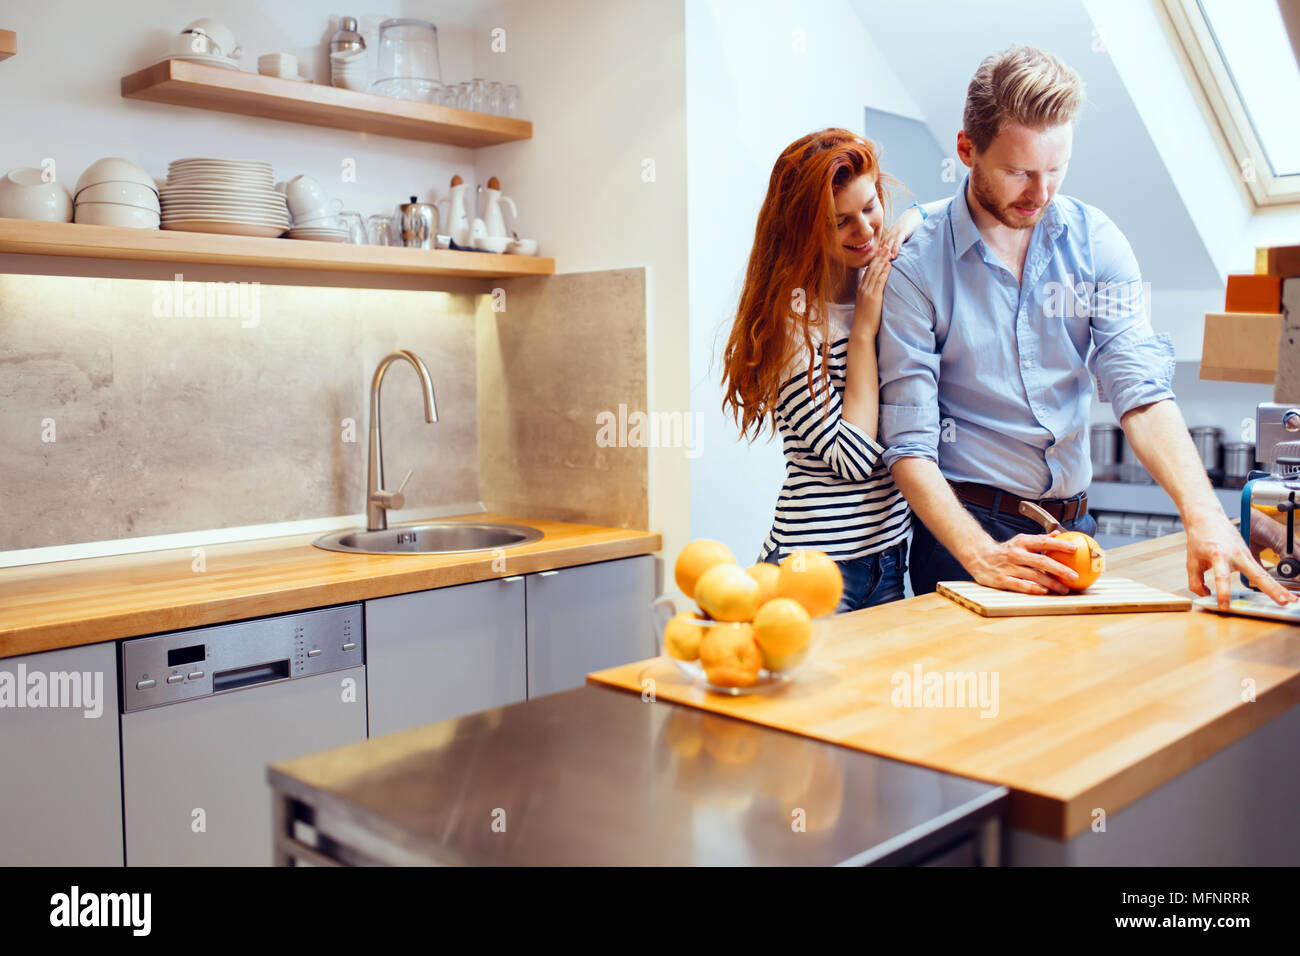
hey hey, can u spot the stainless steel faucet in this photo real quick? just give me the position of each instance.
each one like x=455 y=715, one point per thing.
x=378 y=500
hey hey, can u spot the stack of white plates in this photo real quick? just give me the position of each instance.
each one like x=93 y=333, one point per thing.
x=319 y=233
x=229 y=196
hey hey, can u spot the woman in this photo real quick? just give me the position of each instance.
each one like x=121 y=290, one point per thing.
x=802 y=354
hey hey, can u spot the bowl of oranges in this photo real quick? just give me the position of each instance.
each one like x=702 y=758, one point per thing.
x=753 y=628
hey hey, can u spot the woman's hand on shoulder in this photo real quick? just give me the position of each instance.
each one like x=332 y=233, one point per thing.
x=871 y=293
x=893 y=238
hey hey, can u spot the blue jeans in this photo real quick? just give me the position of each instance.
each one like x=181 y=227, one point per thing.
x=931 y=562
x=870 y=580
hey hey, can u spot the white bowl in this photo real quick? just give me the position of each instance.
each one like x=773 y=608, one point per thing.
x=522 y=247
x=128 y=194
x=493 y=243
x=24 y=196
x=113 y=169
x=116 y=214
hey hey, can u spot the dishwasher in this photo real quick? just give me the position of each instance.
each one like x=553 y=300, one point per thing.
x=205 y=710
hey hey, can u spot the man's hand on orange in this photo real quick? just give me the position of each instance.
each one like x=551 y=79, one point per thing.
x=1215 y=546
x=1023 y=564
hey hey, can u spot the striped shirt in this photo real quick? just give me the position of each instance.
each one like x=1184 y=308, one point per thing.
x=838 y=496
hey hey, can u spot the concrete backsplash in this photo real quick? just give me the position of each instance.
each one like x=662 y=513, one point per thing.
x=564 y=354
x=130 y=409
x=120 y=420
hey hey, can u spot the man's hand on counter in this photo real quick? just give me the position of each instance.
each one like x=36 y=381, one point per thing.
x=1214 y=545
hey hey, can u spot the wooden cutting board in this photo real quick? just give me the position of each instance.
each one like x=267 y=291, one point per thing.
x=1108 y=595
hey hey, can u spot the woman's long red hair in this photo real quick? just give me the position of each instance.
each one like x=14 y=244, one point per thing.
x=791 y=271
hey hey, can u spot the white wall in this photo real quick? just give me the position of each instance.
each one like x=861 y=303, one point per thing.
x=604 y=83
x=759 y=75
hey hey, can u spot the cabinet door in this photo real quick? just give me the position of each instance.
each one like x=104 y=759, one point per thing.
x=211 y=755
x=587 y=618
x=439 y=654
x=60 y=775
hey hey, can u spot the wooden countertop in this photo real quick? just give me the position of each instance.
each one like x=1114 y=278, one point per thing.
x=1093 y=710
x=66 y=603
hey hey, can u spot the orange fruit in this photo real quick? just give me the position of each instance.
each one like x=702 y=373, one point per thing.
x=683 y=734
x=696 y=558
x=782 y=628
x=1088 y=560
x=730 y=656
x=765 y=574
x=812 y=579
x=682 y=636
x=731 y=742
x=726 y=593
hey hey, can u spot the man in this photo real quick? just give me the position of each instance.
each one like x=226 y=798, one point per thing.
x=989 y=313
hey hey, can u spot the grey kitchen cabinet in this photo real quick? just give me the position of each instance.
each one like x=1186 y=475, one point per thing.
x=438 y=654
x=587 y=618
x=60 y=777
x=194 y=774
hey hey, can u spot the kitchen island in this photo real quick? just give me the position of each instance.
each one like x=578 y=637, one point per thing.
x=1164 y=738
x=594 y=777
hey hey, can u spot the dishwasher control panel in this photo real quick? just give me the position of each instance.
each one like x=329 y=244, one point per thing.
x=184 y=665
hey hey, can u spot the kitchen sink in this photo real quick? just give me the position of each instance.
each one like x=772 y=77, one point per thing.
x=444 y=537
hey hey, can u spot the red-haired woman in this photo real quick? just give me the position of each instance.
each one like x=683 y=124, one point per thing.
x=802 y=354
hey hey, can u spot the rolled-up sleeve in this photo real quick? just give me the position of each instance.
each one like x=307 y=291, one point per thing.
x=909 y=372
x=1133 y=365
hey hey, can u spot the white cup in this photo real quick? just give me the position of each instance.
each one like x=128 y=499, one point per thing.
x=221 y=35
x=306 y=198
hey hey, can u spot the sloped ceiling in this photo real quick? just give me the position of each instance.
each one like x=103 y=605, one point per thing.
x=935 y=46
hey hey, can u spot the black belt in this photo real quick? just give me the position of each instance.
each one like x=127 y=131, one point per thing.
x=1004 y=502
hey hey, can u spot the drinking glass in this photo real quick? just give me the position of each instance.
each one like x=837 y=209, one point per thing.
x=381 y=231
x=495 y=94
x=510 y=101
x=478 y=95
x=355 y=225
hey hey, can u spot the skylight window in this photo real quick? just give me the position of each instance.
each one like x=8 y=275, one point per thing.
x=1243 y=59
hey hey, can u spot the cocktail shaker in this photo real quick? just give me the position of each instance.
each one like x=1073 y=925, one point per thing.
x=419 y=223
x=347 y=38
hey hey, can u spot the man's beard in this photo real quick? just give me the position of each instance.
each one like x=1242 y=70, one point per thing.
x=1004 y=214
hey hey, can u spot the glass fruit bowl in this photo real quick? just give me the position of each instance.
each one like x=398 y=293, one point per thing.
x=663 y=611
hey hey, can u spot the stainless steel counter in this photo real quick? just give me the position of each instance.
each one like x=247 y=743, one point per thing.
x=595 y=776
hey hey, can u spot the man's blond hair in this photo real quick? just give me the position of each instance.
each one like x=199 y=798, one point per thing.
x=1024 y=84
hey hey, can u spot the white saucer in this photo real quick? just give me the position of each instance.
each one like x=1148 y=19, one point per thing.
x=205 y=58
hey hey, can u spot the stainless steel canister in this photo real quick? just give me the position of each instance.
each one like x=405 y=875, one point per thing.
x=1238 y=460
x=419 y=223
x=1104 y=443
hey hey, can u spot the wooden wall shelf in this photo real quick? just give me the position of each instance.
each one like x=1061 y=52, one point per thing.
x=162 y=245
x=182 y=83
x=8 y=44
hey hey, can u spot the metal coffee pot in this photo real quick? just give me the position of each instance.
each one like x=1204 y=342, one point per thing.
x=419 y=223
